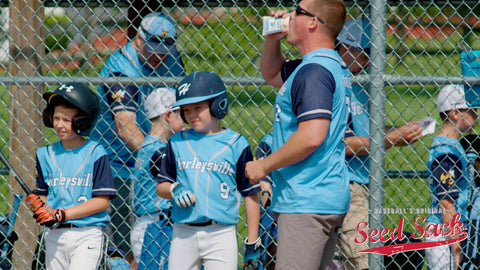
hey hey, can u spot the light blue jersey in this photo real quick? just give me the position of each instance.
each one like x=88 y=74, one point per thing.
x=125 y=62
x=449 y=176
x=318 y=88
x=145 y=200
x=71 y=177
x=358 y=125
x=213 y=168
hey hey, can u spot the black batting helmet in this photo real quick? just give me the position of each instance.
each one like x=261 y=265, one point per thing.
x=80 y=96
x=202 y=86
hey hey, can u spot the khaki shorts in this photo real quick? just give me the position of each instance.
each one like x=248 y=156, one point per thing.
x=357 y=213
x=306 y=241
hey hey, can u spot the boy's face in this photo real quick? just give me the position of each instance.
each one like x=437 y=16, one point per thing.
x=62 y=122
x=199 y=117
x=466 y=123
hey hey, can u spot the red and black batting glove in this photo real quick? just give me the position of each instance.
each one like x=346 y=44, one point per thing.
x=34 y=202
x=43 y=216
x=50 y=217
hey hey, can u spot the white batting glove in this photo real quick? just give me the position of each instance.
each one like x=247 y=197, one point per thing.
x=182 y=196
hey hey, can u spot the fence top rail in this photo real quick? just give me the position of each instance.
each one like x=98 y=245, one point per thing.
x=258 y=81
x=43 y=80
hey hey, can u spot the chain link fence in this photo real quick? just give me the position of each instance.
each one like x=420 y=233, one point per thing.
x=416 y=48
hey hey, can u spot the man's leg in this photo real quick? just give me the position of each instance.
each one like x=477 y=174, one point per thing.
x=306 y=241
x=357 y=213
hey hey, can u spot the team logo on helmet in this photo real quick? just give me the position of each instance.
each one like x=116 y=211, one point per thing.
x=67 y=88
x=183 y=89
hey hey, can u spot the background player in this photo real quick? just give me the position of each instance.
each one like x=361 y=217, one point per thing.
x=148 y=207
x=122 y=124
x=74 y=181
x=449 y=176
x=268 y=226
x=203 y=171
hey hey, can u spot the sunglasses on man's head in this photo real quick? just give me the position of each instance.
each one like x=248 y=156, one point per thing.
x=300 y=11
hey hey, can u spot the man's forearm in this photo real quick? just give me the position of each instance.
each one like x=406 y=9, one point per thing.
x=128 y=131
x=271 y=62
x=132 y=136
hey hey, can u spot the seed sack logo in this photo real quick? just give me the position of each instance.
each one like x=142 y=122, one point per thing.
x=455 y=227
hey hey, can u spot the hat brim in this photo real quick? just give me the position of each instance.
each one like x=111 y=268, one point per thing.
x=159 y=47
x=192 y=100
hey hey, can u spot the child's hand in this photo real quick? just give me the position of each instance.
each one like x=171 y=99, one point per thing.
x=34 y=202
x=50 y=217
x=251 y=256
x=182 y=196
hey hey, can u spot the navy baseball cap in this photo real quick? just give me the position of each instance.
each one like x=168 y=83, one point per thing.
x=356 y=33
x=158 y=32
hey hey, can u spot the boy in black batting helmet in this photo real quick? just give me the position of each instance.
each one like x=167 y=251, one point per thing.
x=74 y=181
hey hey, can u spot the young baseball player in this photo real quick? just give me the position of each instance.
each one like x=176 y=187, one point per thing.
x=153 y=213
x=74 y=181
x=450 y=178
x=203 y=172
x=268 y=227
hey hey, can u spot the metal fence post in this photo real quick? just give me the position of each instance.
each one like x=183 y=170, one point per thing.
x=377 y=123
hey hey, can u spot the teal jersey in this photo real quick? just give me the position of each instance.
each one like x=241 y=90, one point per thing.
x=318 y=88
x=126 y=63
x=212 y=166
x=69 y=177
x=449 y=176
x=144 y=197
x=358 y=125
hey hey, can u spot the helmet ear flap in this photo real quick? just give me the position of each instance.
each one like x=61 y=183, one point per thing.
x=82 y=125
x=47 y=116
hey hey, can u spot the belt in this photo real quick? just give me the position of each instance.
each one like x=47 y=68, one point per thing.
x=202 y=224
x=66 y=226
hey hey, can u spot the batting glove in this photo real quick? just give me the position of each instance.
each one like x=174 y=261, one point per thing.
x=50 y=217
x=34 y=202
x=182 y=196
x=251 y=255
